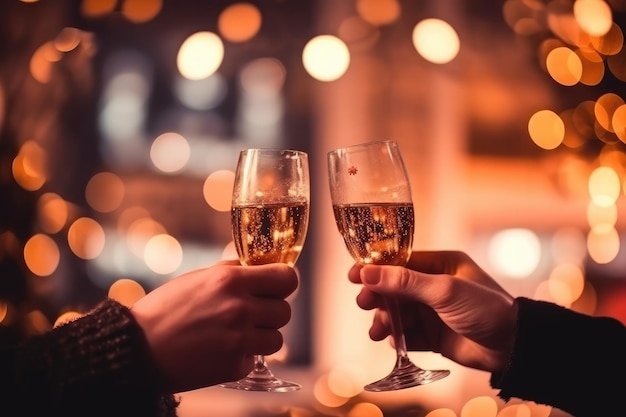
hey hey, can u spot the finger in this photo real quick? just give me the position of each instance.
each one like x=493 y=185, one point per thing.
x=270 y=280
x=406 y=283
x=369 y=300
x=270 y=314
x=354 y=273
x=381 y=327
x=437 y=262
x=264 y=342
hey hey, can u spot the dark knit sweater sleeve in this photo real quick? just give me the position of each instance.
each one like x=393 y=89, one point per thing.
x=566 y=359
x=98 y=365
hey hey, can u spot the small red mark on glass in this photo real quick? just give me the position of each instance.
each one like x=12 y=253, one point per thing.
x=352 y=170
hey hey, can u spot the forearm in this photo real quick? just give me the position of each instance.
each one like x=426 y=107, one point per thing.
x=97 y=365
x=565 y=359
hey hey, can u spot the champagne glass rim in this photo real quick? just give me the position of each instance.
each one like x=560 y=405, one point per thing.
x=362 y=144
x=292 y=151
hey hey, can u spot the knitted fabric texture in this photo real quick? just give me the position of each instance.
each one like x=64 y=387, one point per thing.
x=98 y=365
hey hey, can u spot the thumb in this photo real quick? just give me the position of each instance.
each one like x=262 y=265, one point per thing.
x=405 y=283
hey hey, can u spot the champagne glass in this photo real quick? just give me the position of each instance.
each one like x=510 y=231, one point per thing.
x=269 y=217
x=373 y=209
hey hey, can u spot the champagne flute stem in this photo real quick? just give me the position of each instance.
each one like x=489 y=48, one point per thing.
x=397 y=330
x=259 y=363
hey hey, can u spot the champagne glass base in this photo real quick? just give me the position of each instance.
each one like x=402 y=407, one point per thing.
x=262 y=381
x=406 y=376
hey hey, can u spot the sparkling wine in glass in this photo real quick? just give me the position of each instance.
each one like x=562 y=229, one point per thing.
x=373 y=209
x=269 y=217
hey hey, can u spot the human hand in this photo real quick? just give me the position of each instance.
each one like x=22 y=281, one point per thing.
x=204 y=327
x=449 y=305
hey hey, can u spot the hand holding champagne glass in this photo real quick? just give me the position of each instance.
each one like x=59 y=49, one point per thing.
x=269 y=216
x=373 y=209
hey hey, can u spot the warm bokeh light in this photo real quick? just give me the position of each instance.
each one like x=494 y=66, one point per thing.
x=326 y=57
x=343 y=382
x=515 y=252
x=4 y=310
x=516 y=410
x=218 y=190
x=230 y=251
x=546 y=129
x=41 y=255
x=140 y=231
x=239 y=22
x=200 y=55
x=29 y=166
x=604 y=109
x=324 y=395
x=604 y=186
x=105 y=192
x=86 y=238
x=141 y=11
x=619 y=122
x=482 y=406
x=593 y=16
x=52 y=212
x=603 y=244
x=436 y=40
x=441 y=412
x=611 y=43
x=97 y=8
x=365 y=410
x=41 y=62
x=592 y=67
x=379 y=12
x=66 y=317
x=67 y=39
x=170 y=152
x=126 y=291
x=566 y=283
x=564 y=66
x=163 y=254
x=601 y=215
x=568 y=244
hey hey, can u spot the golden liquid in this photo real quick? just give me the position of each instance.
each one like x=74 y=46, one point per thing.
x=270 y=233
x=377 y=233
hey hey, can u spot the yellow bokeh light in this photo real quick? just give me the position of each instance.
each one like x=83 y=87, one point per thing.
x=546 y=129
x=163 y=254
x=604 y=186
x=324 y=395
x=105 y=192
x=41 y=255
x=218 y=190
x=239 y=22
x=170 y=152
x=593 y=16
x=515 y=252
x=601 y=215
x=603 y=244
x=86 y=238
x=344 y=383
x=436 y=40
x=139 y=232
x=200 y=55
x=566 y=283
x=482 y=406
x=326 y=58
x=126 y=291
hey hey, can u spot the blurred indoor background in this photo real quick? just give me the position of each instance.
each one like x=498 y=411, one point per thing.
x=127 y=117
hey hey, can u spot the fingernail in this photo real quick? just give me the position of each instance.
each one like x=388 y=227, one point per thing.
x=370 y=278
